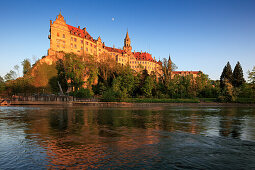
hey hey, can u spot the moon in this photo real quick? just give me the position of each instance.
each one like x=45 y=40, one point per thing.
x=113 y=19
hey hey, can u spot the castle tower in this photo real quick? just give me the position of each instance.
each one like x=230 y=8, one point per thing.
x=127 y=44
x=59 y=35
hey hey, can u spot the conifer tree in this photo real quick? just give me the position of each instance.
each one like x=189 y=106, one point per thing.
x=226 y=75
x=238 y=79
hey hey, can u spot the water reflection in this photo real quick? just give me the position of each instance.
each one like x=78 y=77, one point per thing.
x=94 y=137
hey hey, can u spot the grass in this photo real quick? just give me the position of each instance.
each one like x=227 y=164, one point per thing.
x=208 y=100
x=245 y=100
x=155 y=100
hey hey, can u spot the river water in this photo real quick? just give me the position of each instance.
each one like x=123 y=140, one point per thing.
x=81 y=137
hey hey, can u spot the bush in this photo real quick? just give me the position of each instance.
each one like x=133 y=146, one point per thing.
x=84 y=93
x=109 y=96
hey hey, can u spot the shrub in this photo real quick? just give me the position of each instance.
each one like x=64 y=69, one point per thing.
x=84 y=93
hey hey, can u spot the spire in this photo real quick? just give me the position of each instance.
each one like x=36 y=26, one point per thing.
x=127 y=36
x=60 y=17
x=169 y=59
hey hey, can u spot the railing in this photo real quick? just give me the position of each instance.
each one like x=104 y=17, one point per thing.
x=46 y=98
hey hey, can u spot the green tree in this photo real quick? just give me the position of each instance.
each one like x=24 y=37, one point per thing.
x=26 y=66
x=75 y=70
x=238 y=78
x=2 y=84
x=226 y=75
x=61 y=76
x=147 y=87
x=167 y=67
x=251 y=76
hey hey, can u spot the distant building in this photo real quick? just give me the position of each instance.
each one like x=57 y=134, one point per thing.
x=66 y=38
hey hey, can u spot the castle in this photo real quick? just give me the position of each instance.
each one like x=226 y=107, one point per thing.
x=66 y=38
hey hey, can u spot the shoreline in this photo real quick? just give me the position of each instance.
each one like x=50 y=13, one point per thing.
x=127 y=104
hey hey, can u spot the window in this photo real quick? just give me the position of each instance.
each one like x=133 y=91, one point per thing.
x=71 y=38
x=99 y=49
x=75 y=46
x=57 y=45
x=86 y=49
x=64 y=36
x=82 y=41
x=58 y=34
x=90 y=44
x=72 y=45
x=81 y=48
x=119 y=59
x=63 y=46
x=87 y=43
x=75 y=39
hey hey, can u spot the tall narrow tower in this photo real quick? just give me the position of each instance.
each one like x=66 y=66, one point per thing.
x=127 y=44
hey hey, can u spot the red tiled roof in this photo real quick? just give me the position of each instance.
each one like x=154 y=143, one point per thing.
x=187 y=72
x=143 y=56
x=110 y=49
x=80 y=33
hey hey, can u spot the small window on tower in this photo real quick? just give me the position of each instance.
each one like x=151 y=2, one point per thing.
x=64 y=36
x=71 y=38
x=58 y=34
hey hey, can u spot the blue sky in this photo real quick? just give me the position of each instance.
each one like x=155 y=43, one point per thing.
x=198 y=34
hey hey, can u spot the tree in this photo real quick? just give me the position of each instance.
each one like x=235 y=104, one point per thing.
x=238 y=79
x=61 y=77
x=10 y=76
x=167 y=67
x=226 y=75
x=26 y=66
x=16 y=67
x=251 y=76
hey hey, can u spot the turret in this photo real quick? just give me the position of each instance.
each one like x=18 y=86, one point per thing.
x=127 y=44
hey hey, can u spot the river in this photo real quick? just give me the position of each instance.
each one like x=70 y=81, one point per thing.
x=82 y=137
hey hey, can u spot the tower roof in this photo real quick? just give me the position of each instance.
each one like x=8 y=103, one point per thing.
x=127 y=36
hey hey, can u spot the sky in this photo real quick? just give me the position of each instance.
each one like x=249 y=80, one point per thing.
x=198 y=34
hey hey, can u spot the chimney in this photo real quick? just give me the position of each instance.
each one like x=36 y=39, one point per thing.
x=84 y=29
x=79 y=27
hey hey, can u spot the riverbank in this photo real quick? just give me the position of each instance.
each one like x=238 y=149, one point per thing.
x=129 y=104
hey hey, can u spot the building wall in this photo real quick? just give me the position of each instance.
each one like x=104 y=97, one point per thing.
x=68 y=39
